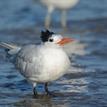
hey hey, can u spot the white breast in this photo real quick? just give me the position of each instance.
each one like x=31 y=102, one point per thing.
x=43 y=63
x=55 y=64
x=61 y=4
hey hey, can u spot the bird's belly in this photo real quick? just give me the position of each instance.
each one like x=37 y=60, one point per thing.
x=51 y=75
x=54 y=68
x=50 y=65
x=51 y=70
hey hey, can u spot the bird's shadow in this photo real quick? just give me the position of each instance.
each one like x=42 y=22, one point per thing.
x=44 y=100
x=52 y=95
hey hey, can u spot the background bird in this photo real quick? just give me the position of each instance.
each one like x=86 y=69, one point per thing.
x=41 y=63
x=63 y=5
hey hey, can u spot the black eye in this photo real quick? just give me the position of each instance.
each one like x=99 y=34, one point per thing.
x=50 y=40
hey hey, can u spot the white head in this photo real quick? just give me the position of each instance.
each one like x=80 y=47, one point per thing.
x=47 y=36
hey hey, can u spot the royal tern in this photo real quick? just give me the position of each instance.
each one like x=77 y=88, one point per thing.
x=63 y=5
x=41 y=63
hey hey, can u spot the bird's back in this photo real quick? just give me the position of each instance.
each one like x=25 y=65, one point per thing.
x=61 y=4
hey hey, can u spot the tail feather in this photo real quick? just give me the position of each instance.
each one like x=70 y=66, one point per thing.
x=13 y=49
x=7 y=46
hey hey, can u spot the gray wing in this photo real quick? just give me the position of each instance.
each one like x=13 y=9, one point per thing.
x=28 y=61
x=12 y=48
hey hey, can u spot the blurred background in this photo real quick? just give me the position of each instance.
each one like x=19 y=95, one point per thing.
x=85 y=85
x=30 y=13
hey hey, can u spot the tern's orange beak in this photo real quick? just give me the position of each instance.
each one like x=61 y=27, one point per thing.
x=65 y=41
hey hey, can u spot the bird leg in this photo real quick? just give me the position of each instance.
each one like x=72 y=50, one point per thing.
x=34 y=89
x=63 y=18
x=46 y=89
x=48 y=17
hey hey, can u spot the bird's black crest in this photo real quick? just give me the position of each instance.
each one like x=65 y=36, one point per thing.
x=45 y=35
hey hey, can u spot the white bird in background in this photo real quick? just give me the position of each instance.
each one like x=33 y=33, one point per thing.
x=63 y=5
x=41 y=63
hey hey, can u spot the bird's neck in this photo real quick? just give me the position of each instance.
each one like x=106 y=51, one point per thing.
x=52 y=45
